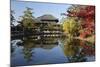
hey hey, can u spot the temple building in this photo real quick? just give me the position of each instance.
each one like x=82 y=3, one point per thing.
x=43 y=26
x=49 y=25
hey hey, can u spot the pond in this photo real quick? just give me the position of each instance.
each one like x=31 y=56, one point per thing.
x=50 y=50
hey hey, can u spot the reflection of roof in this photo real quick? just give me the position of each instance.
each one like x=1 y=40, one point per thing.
x=45 y=46
x=31 y=44
x=47 y=17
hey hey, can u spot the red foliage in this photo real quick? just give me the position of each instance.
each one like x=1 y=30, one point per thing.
x=88 y=11
x=88 y=15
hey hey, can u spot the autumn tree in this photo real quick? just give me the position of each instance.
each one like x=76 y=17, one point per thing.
x=87 y=16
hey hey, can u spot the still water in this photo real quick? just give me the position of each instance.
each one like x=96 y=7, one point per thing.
x=49 y=50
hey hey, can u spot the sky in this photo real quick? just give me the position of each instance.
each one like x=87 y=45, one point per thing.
x=39 y=8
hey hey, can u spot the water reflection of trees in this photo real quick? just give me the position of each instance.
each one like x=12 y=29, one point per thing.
x=27 y=54
x=28 y=45
x=74 y=51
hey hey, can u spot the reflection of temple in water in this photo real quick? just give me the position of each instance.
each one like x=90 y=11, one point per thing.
x=45 y=43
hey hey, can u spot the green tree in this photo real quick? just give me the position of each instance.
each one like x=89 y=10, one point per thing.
x=28 y=18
